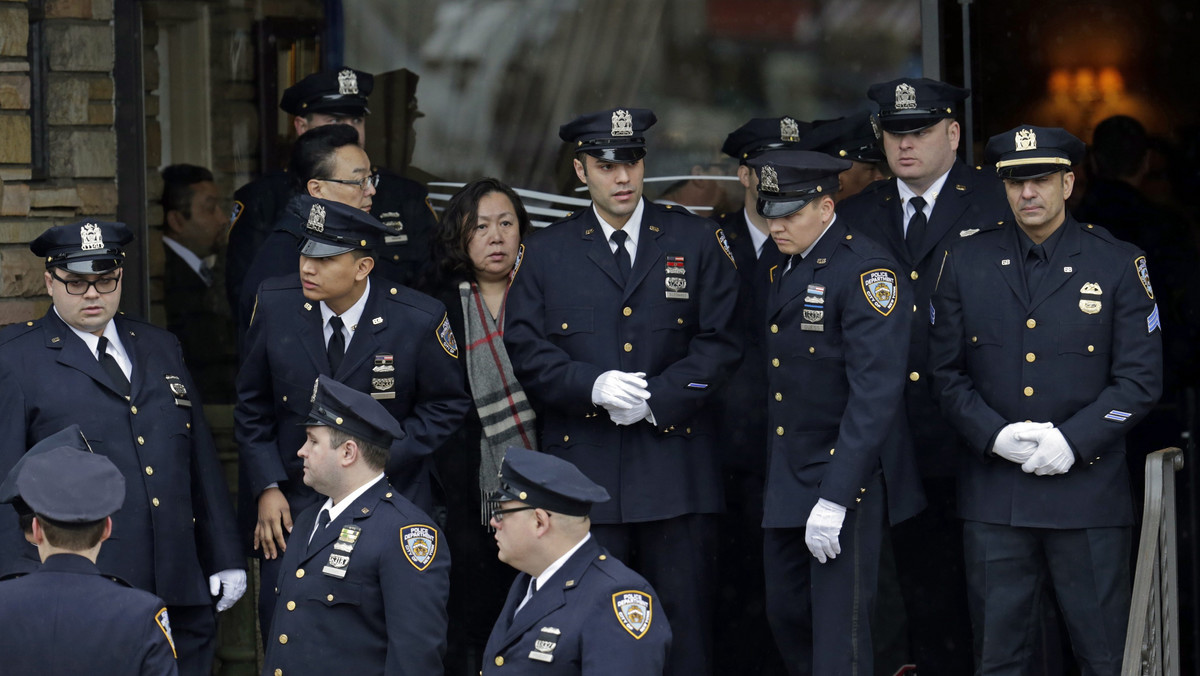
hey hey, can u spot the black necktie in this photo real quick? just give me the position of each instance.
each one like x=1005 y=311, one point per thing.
x=337 y=345
x=1035 y=268
x=322 y=521
x=528 y=595
x=916 y=226
x=206 y=274
x=112 y=368
x=621 y=254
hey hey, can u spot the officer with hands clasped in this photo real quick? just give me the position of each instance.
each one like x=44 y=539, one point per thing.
x=66 y=617
x=1045 y=348
x=574 y=609
x=125 y=384
x=836 y=416
x=364 y=585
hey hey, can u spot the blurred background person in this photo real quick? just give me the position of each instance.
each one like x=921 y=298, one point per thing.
x=855 y=138
x=476 y=245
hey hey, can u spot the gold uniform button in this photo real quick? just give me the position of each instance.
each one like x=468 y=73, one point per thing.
x=133 y=410
x=974 y=339
x=283 y=638
x=914 y=308
x=688 y=430
x=1030 y=357
x=627 y=311
x=285 y=398
x=189 y=426
x=603 y=557
x=775 y=362
x=393 y=291
x=149 y=470
x=522 y=495
x=154 y=502
x=329 y=598
x=300 y=572
x=1091 y=348
x=679 y=320
x=779 y=430
x=858 y=499
x=774 y=328
x=1031 y=323
x=564 y=325
x=629 y=347
x=779 y=396
x=913 y=275
x=832 y=450
x=279 y=672
x=566 y=437
x=914 y=376
x=141 y=441
x=291 y=605
x=499 y=661
x=1029 y=391
x=396 y=257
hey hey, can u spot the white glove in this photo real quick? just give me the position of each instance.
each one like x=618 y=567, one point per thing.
x=1018 y=441
x=231 y=584
x=629 y=416
x=617 y=389
x=1053 y=455
x=821 y=531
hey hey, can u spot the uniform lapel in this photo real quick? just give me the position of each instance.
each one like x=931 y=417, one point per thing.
x=129 y=339
x=1056 y=275
x=73 y=352
x=893 y=232
x=364 y=342
x=1008 y=262
x=311 y=335
x=599 y=252
x=552 y=595
x=648 y=254
x=360 y=509
x=952 y=201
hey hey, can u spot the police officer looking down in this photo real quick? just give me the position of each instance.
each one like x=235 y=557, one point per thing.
x=574 y=609
x=66 y=617
x=1046 y=349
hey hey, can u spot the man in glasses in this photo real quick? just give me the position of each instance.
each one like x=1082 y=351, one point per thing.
x=574 y=608
x=125 y=384
x=322 y=99
x=336 y=318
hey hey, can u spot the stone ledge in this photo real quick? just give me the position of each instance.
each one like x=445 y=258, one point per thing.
x=13 y=311
x=14 y=92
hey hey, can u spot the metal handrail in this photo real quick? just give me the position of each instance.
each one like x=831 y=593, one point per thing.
x=1152 y=640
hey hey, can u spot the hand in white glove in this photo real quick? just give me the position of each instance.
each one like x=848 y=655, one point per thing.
x=1018 y=441
x=231 y=584
x=1053 y=455
x=821 y=531
x=617 y=389
x=629 y=416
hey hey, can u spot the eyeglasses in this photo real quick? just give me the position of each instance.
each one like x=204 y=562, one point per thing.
x=362 y=183
x=498 y=514
x=78 y=287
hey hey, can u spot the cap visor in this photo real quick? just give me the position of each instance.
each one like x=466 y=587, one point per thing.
x=92 y=266
x=1030 y=171
x=619 y=155
x=781 y=208
x=899 y=124
x=501 y=495
x=317 y=249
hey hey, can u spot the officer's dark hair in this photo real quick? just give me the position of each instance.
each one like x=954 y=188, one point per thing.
x=1119 y=147
x=74 y=537
x=312 y=155
x=375 y=456
x=178 y=180
x=451 y=262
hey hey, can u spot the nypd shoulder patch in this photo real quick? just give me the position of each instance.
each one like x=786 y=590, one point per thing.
x=1143 y=274
x=164 y=624
x=725 y=246
x=517 y=263
x=235 y=213
x=420 y=544
x=445 y=336
x=634 y=610
x=879 y=286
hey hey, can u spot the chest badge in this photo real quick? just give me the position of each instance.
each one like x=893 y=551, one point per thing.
x=1089 y=300
x=178 y=391
x=634 y=610
x=543 y=647
x=339 y=558
x=814 y=308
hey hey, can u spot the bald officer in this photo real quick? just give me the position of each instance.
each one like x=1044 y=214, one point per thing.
x=66 y=617
x=574 y=609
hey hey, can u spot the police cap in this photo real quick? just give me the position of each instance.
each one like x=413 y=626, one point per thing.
x=71 y=437
x=616 y=135
x=340 y=406
x=334 y=228
x=1030 y=152
x=342 y=92
x=762 y=134
x=71 y=486
x=854 y=137
x=85 y=248
x=546 y=481
x=789 y=179
x=912 y=104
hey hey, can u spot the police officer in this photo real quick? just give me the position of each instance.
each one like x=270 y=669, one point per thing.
x=125 y=383
x=835 y=414
x=401 y=204
x=574 y=609
x=109 y=627
x=364 y=586
x=336 y=318
x=855 y=138
x=920 y=138
x=1045 y=349
x=619 y=328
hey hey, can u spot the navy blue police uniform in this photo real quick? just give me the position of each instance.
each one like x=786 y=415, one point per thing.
x=743 y=639
x=402 y=353
x=367 y=594
x=177 y=526
x=111 y=628
x=1080 y=349
x=835 y=421
x=401 y=204
x=570 y=319
x=927 y=547
x=592 y=615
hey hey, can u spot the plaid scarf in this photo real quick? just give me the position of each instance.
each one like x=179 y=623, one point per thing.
x=504 y=412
